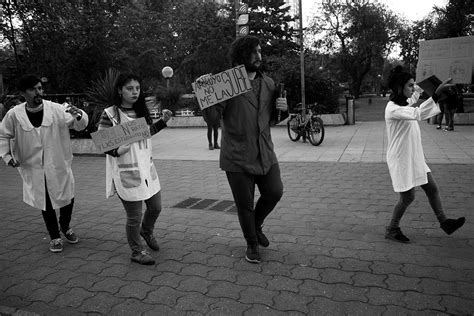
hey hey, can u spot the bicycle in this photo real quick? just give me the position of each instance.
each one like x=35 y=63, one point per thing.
x=308 y=125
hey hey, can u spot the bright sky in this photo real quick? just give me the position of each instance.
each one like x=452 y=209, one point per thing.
x=411 y=9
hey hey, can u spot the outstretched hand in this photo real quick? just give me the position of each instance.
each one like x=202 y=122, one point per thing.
x=444 y=86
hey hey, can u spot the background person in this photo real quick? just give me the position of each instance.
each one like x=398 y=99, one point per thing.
x=405 y=157
x=42 y=153
x=450 y=102
x=212 y=118
x=130 y=171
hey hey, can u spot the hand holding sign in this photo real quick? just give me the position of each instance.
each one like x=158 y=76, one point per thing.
x=166 y=115
x=281 y=103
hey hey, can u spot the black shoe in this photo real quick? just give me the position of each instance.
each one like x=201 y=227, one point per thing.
x=396 y=234
x=211 y=147
x=262 y=239
x=216 y=146
x=451 y=225
x=438 y=127
x=143 y=257
x=150 y=241
x=252 y=255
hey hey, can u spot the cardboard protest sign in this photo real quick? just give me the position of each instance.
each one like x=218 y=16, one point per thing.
x=126 y=133
x=446 y=58
x=222 y=86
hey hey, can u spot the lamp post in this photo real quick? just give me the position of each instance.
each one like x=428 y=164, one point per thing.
x=303 y=92
x=167 y=73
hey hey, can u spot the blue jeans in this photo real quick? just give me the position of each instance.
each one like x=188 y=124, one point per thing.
x=243 y=190
x=135 y=222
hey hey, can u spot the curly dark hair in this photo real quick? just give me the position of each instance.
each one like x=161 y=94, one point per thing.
x=27 y=82
x=396 y=81
x=139 y=106
x=241 y=49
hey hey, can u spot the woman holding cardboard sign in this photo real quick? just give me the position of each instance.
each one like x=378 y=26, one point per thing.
x=130 y=171
x=405 y=158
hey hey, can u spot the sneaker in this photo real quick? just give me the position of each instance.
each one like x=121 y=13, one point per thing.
x=451 y=225
x=396 y=234
x=262 y=239
x=150 y=241
x=71 y=237
x=211 y=147
x=252 y=255
x=142 y=257
x=438 y=127
x=56 y=245
x=216 y=146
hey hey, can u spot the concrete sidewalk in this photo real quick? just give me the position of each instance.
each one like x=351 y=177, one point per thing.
x=327 y=254
x=362 y=142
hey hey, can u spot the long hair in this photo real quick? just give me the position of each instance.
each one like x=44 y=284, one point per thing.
x=396 y=82
x=241 y=49
x=139 y=106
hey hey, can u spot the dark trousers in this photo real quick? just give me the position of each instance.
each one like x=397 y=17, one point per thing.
x=210 y=129
x=449 y=116
x=242 y=186
x=51 y=221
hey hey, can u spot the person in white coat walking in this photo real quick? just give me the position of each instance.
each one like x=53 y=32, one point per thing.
x=41 y=151
x=130 y=171
x=405 y=157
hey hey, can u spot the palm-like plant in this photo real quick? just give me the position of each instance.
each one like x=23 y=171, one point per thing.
x=101 y=95
x=102 y=90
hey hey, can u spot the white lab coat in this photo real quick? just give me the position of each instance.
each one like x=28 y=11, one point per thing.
x=132 y=175
x=43 y=152
x=405 y=157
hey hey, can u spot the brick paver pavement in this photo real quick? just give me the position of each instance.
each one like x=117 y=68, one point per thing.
x=327 y=254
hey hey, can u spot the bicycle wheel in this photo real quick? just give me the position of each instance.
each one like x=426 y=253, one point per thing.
x=316 y=131
x=292 y=125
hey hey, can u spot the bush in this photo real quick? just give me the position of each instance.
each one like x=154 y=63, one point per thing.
x=169 y=98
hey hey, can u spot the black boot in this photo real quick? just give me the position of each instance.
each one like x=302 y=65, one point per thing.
x=262 y=239
x=451 y=225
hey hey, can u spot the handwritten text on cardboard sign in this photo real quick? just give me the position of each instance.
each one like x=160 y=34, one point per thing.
x=125 y=133
x=222 y=86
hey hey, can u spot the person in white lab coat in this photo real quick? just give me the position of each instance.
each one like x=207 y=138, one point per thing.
x=41 y=151
x=405 y=157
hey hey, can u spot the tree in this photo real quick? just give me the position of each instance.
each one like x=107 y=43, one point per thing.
x=357 y=34
x=410 y=35
x=271 y=21
x=453 y=19
x=443 y=22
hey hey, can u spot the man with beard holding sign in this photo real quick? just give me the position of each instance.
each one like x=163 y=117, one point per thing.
x=247 y=154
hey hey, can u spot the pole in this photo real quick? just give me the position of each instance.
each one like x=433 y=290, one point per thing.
x=303 y=96
x=236 y=6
